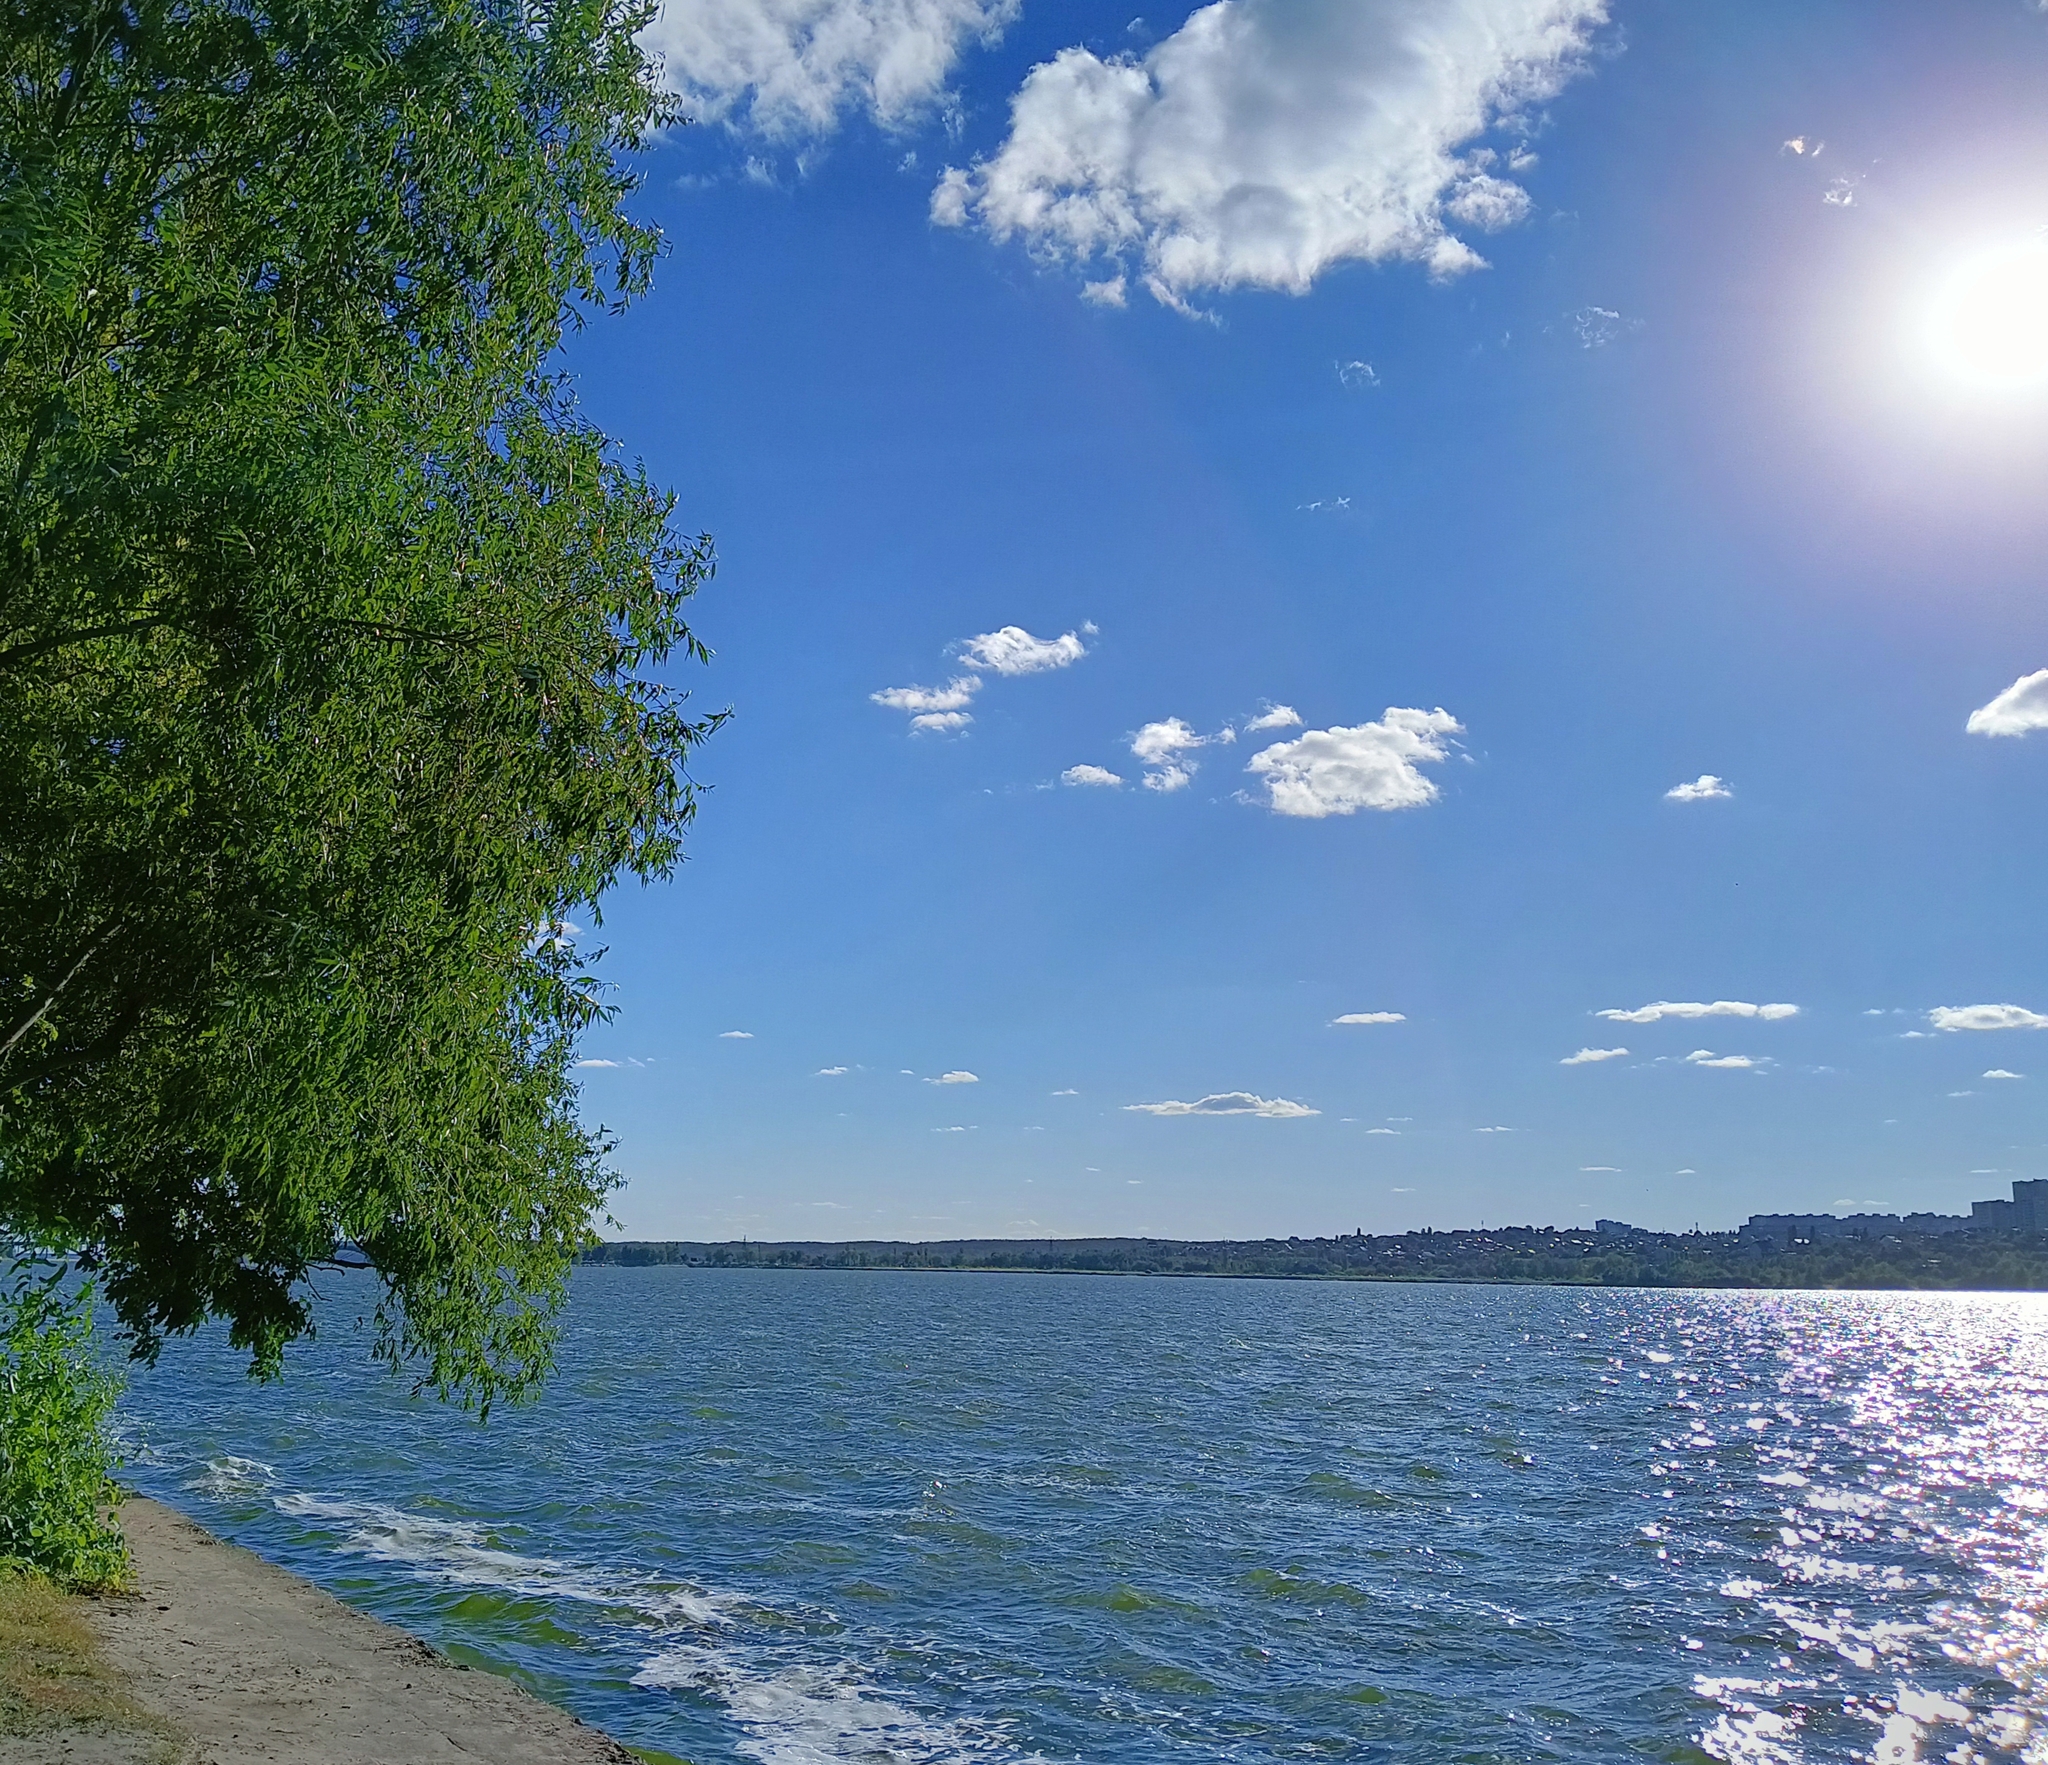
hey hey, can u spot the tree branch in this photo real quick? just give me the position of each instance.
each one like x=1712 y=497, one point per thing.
x=55 y=993
x=27 y=652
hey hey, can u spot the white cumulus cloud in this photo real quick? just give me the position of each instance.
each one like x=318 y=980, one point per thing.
x=1010 y=650
x=939 y=708
x=1084 y=774
x=832 y=1072
x=1371 y=1017
x=735 y=1035
x=1999 y=1072
x=1228 y=1103
x=1707 y=1057
x=1689 y=1009
x=1700 y=790
x=1161 y=748
x=1013 y=650
x=597 y=1063
x=2021 y=707
x=794 y=67
x=1587 y=1056
x=955 y=1078
x=1266 y=140
x=1366 y=766
x=1986 y=1017
x=1274 y=717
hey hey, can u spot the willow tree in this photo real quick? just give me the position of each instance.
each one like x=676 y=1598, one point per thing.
x=330 y=645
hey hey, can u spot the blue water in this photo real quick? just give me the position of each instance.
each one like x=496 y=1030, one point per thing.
x=798 y=1519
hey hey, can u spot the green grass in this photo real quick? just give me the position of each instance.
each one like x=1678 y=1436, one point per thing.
x=54 y=1678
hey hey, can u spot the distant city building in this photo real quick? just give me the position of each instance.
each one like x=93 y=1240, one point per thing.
x=2027 y=1211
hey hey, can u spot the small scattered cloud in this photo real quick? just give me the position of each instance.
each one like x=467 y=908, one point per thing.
x=1391 y=1133
x=933 y=708
x=966 y=1130
x=1013 y=650
x=1803 y=146
x=1162 y=748
x=597 y=1063
x=1587 y=1056
x=1274 y=717
x=1707 y=1057
x=1999 y=1072
x=1962 y=1093
x=1493 y=1130
x=1986 y=1017
x=1068 y=1092
x=831 y=1072
x=1356 y=376
x=1340 y=770
x=1596 y=327
x=1370 y=1017
x=1229 y=1103
x=1700 y=790
x=1104 y=293
x=2022 y=707
x=1840 y=193
x=955 y=1078
x=1664 y=1008
x=1612 y=1170
x=1335 y=505
x=1085 y=774
x=735 y=1035
x=1010 y=650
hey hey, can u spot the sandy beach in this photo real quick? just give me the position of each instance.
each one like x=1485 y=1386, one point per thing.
x=242 y=1663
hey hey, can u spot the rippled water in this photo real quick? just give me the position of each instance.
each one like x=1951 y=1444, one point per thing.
x=801 y=1518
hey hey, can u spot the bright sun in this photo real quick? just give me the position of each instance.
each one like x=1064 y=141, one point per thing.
x=1987 y=328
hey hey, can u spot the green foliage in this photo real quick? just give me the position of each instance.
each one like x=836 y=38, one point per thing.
x=56 y=1461
x=330 y=640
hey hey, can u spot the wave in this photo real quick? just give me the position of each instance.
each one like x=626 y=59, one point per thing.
x=229 y=1476
x=461 y=1553
x=805 y=1714
x=813 y=1715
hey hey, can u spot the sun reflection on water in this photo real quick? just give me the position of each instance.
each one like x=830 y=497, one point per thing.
x=1898 y=1526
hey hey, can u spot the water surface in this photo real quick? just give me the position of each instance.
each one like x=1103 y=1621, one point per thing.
x=802 y=1518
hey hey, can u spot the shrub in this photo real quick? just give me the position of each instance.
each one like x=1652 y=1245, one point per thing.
x=56 y=1457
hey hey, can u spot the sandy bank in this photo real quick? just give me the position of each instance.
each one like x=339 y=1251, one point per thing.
x=252 y=1664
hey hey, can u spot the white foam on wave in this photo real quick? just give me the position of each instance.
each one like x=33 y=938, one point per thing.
x=813 y=1715
x=229 y=1476
x=788 y=1714
x=459 y=1552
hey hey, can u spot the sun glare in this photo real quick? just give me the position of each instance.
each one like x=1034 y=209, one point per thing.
x=1987 y=328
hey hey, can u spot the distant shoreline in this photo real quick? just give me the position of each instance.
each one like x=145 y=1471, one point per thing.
x=1508 y=1256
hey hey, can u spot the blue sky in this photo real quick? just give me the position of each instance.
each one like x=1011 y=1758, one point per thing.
x=1527 y=407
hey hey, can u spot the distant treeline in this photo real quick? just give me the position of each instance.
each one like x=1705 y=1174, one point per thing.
x=1542 y=1255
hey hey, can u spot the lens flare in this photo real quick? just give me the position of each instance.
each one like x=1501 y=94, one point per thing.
x=1987 y=327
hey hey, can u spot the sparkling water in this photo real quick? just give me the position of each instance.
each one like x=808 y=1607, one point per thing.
x=802 y=1518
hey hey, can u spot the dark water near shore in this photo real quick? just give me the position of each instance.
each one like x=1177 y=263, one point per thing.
x=808 y=1518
